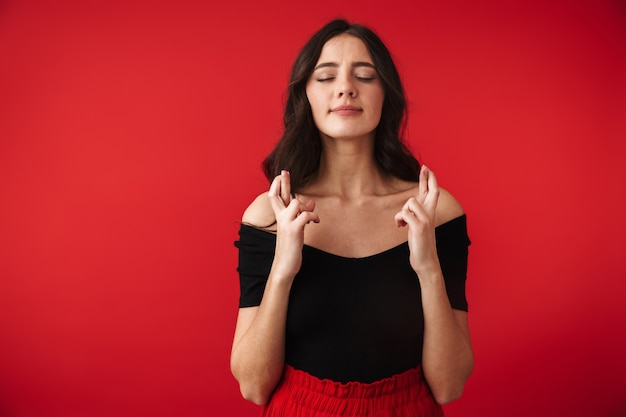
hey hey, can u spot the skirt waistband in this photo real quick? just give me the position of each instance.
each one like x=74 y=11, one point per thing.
x=302 y=394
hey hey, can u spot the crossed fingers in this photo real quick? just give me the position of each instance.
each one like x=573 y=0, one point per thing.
x=422 y=207
x=285 y=205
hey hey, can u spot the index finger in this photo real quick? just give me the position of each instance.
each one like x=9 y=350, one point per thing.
x=433 y=190
x=422 y=188
x=274 y=195
x=285 y=186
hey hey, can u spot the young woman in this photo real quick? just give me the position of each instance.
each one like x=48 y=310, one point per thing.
x=353 y=265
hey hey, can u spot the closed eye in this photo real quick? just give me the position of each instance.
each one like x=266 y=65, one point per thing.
x=364 y=79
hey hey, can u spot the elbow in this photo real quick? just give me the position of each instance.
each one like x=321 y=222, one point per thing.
x=254 y=389
x=450 y=391
x=444 y=397
x=256 y=396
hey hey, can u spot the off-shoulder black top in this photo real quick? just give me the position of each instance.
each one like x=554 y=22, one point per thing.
x=354 y=319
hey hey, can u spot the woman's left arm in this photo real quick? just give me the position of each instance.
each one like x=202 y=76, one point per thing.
x=447 y=358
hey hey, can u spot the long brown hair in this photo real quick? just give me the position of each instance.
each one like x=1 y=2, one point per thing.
x=300 y=147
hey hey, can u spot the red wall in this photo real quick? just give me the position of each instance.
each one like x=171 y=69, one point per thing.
x=130 y=140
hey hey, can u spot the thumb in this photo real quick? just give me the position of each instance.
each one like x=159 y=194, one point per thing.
x=309 y=205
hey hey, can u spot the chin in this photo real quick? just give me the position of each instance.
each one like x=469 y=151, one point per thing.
x=346 y=134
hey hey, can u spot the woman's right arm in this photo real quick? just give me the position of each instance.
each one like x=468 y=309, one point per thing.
x=258 y=353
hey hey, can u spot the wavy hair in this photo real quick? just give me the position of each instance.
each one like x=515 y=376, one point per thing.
x=300 y=147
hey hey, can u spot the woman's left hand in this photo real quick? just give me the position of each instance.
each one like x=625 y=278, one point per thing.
x=418 y=214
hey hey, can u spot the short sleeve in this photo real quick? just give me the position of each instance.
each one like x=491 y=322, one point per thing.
x=452 y=249
x=256 y=254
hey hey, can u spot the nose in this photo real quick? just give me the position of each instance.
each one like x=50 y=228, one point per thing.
x=347 y=87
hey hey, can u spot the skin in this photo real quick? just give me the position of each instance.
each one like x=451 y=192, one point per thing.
x=344 y=64
x=351 y=209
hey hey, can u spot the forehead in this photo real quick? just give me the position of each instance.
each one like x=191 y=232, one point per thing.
x=344 y=47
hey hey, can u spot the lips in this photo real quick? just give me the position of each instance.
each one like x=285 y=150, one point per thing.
x=346 y=110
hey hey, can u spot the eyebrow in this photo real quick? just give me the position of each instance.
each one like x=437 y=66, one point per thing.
x=335 y=65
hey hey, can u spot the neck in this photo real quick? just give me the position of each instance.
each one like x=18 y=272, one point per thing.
x=348 y=169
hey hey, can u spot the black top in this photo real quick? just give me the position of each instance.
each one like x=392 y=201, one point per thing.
x=354 y=319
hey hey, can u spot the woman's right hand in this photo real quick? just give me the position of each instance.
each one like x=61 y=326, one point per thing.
x=291 y=217
x=258 y=353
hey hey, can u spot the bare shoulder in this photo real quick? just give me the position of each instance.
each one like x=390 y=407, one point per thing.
x=448 y=207
x=259 y=213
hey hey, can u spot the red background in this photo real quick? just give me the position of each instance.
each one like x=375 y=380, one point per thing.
x=130 y=141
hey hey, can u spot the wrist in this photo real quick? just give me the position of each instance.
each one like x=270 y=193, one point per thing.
x=282 y=277
x=429 y=276
x=427 y=268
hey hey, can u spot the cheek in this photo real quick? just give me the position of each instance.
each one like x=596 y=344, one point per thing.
x=315 y=104
x=310 y=98
x=380 y=101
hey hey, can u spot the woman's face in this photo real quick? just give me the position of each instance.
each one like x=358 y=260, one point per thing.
x=344 y=91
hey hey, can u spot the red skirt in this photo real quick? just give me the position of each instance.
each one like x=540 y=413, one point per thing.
x=300 y=394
